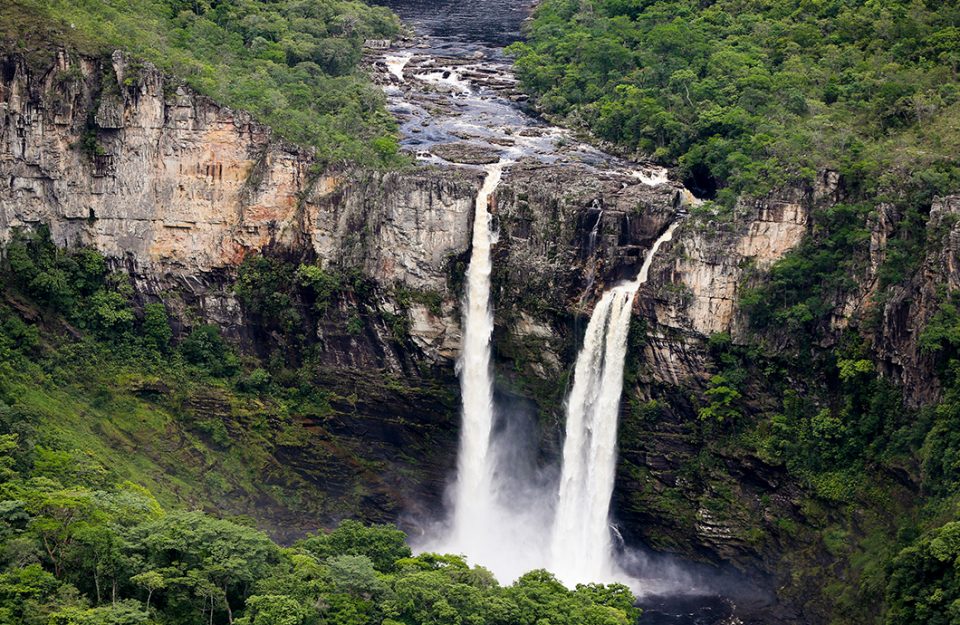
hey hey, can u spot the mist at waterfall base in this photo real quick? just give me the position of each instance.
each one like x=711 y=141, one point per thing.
x=510 y=514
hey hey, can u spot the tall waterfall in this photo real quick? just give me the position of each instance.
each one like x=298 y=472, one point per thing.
x=489 y=524
x=497 y=521
x=580 y=543
x=474 y=497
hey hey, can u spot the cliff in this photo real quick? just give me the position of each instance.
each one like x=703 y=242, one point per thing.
x=177 y=191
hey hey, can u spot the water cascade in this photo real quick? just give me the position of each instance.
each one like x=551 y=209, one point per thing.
x=396 y=63
x=474 y=494
x=580 y=543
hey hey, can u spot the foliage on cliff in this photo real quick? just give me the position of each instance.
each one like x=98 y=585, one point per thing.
x=292 y=64
x=91 y=372
x=88 y=433
x=78 y=550
x=881 y=479
x=743 y=95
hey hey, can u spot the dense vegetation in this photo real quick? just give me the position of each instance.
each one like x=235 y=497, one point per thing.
x=879 y=478
x=745 y=94
x=841 y=428
x=85 y=554
x=93 y=373
x=743 y=97
x=82 y=544
x=291 y=63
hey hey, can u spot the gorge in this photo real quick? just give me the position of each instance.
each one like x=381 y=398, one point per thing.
x=522 y=344
x=563 y=527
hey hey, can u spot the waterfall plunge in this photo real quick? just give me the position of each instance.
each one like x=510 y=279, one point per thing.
x=581 y=547
x=506 y=526
x=487 y=524
x=474 y=497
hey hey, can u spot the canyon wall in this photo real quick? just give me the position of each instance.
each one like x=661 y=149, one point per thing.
x=178 y=190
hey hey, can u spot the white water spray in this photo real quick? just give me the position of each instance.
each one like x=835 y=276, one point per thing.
x=474 y=496
x=487 y=525
x=580 y=543
x=476 y=527
x=396 y=63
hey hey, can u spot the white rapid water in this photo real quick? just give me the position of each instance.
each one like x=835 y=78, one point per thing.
x=474 y=496
x=580 y=543
x=446 y=77
x=396 y=63
x=485 y=525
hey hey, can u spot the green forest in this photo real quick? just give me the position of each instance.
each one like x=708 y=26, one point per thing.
x=746 y=95
x=84 y=542
x=292 y=64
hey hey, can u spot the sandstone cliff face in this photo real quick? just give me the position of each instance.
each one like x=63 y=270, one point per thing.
x=179 y=189
x=114 y=156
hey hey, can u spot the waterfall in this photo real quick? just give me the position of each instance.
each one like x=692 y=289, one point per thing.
x=580 y=543
x=497 y=521
x=474 y=497
x=483 y=525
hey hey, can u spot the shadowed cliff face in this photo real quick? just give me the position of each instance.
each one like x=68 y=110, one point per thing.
x=909 y=307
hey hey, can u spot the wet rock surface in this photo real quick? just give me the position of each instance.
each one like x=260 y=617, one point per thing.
x=466 y=153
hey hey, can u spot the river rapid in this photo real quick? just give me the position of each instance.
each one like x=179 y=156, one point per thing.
x=454 y=94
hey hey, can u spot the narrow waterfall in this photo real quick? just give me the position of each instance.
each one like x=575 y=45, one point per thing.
x=580 y=543
x=474 y=497
x=484 y=526
x=488 y=523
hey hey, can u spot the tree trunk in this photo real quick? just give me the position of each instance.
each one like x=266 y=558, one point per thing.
x=53 y=558
x=226 y=602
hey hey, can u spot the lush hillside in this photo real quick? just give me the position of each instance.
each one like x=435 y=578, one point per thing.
x=293 y=64
x=743 y=94
x=743 y=97
x=93 y=382
x=100 y=409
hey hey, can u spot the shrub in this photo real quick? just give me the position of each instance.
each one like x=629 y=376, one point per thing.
x=205 y=348
x=157 y=333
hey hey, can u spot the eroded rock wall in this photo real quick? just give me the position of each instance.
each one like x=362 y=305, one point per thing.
x=178 y=190
x=906 y=309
